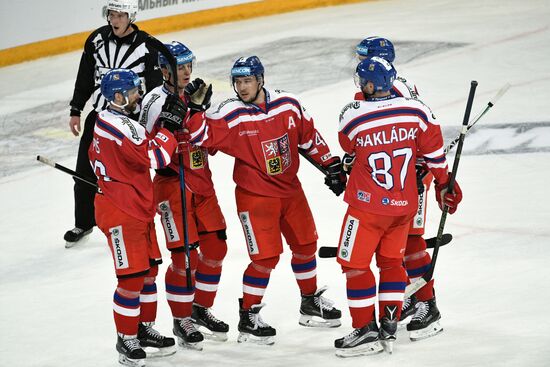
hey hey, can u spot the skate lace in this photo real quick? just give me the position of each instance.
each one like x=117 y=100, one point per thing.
x=351 y=336
x=187 y=325
x=132 y=344
x=323 y=303
x=257 y=320
x=422 y=309
x=406 y=303
x=153 y=333
x=211 y=317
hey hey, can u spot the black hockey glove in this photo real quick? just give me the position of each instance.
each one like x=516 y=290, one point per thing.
x=199 y=95
x=421 y=172
x=347 y=163
x=173 y=112
x=336 y=178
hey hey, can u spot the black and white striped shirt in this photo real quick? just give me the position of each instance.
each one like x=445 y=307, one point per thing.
x=104 y=51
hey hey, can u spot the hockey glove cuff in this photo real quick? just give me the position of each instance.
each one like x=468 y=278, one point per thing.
x=444 y=197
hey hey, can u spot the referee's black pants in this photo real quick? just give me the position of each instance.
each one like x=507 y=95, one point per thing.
x=84 y=194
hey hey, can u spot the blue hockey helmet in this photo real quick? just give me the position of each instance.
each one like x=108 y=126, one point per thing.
x=376 y=46
x=119 y=81
x=181 y=53
x=247 y=66
x=376 y=70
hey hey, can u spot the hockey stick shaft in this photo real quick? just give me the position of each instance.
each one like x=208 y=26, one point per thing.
x=159 y=46
x=331 y=251
x=491 y=103
x=415 y=286
x=304 y=154
x=75 y=174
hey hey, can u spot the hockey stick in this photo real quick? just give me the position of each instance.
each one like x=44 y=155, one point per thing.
x=491 y=103
x=415 y=286
x=331 y=251
x=159 y=46
x=76 y=175
x=304 y=154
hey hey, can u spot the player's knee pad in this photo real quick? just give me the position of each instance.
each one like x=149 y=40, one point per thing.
x=151 y=274
x=179 y=260
x=352 y=272
x=212 y=247
x=415 y=244
x=266 y=265
x=131 y=286
x=384 y=262
x=304 y=251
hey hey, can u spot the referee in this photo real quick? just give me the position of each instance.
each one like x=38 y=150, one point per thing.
x=119 y=44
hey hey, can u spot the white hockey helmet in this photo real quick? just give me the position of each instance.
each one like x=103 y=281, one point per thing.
x=124 y=6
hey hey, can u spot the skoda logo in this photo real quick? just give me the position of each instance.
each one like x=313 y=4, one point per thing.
x=385 y=201
x=344 y=252
x=115 y=232
x=163 y=207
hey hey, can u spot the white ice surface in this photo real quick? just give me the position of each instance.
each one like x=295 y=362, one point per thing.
x=492 y=282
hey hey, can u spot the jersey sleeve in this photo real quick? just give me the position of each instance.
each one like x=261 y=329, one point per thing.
x=137 y=151
x=150 y=111
x=430 y=146
x=85 y=83
x=311 y=141
x=346 y=127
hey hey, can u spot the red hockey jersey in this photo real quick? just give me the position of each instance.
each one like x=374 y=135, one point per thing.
x=121 y=156
x=264 y=141
x=386 y=136
x=198 y=177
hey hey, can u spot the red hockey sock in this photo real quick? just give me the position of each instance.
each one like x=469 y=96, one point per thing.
x=209 y=270
x=255 y=280
x=148 y=296
x=126 y=309
x=304 y=266
x=179 y=296
x=361 y=291
x=417 y=263
x=391 y=290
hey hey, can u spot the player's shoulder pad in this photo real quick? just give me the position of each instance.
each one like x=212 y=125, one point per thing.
x=130 y=128
x=418 y=103
x=406 y=87
x=349 y=110
x=224 y=108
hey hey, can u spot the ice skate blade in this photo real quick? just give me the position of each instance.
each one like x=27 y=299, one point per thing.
x=366 y=349
x=192 y=346
x=153 y=352
x=214 y=336
x=79 y=242
x=403 y=323
x=125 y=361
x=388 y=346
x=253 y=339
x=314 y=321
x=432 y=330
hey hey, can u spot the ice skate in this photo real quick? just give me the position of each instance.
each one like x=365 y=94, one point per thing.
x=188 y=336
x=76 y=236
x=360 y=342
x=252 y=328
x=388 y=328
x=407 y=311
x=425 y=322
x=318 y=311
x=130 y=352
x=155 y=344
x=211 y=327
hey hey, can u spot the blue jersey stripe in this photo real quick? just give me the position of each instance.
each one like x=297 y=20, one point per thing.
x=149 y=288
x=160 y=159
x=382 y=114
x=418 y=271
x=109 y=128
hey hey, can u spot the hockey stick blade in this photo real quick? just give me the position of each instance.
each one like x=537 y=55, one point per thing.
x=330 y=251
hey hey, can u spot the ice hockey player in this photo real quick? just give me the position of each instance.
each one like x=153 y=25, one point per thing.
x=119 y=44
x=121 y=156
x=385 y=134
x=420 y=311
x=205 y=221
x=264 y=130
